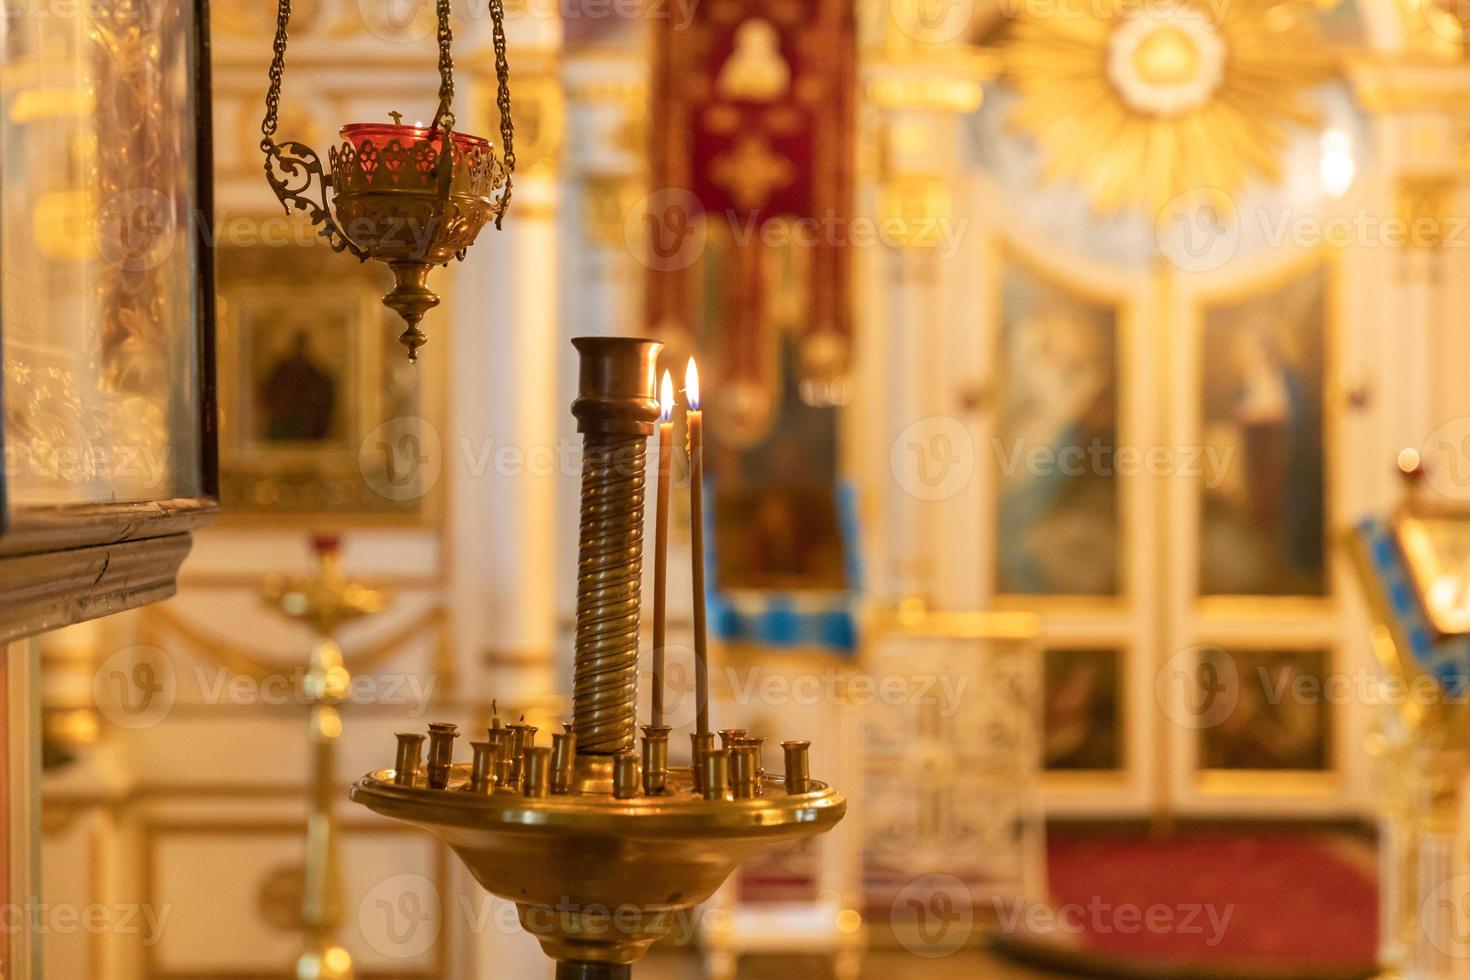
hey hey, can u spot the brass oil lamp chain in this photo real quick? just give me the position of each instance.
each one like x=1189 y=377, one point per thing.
x=409 y=197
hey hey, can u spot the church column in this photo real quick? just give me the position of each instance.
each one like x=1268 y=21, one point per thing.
x=501 y=451
x=916 y=451
x=1420 y=141
x=606 y=94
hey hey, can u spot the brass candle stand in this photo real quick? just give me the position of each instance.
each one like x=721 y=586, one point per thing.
x=600 y=853
x=325 y=602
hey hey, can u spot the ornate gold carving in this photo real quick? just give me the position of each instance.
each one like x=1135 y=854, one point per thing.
x=1140 y=109
x=389 y=199
x=540 y=120
x=606 y=201
x=98 y=316
x=915 y=205
x=632 y=95
x=1425 y=204
x=946 y=93
x=158 y=623
x=752 y=171
x=253 y=19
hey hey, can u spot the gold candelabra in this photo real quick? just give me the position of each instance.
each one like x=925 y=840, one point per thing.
x=600 y=848
x=324 y=602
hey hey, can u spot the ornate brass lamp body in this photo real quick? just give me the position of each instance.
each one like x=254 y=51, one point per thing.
x=600 y=863
x=412 y=197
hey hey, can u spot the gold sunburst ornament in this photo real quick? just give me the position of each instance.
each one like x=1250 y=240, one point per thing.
x=1141 y=102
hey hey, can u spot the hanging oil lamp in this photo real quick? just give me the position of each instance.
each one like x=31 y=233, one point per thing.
x=412 y=197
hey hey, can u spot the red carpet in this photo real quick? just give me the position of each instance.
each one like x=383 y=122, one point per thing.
x=1271 y=903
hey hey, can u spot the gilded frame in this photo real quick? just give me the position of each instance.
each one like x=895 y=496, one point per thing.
x=1298 y=623
x=1217 y=608
x=1065 y=780
x=331 y=470
x=1313 y=783
x=1123 y=305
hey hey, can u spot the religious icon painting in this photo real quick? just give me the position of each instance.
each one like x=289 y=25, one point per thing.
x=1055 y=439
x=1082 y=711
x=1263 y=513
x=295 y=371
x=1271 y=711
x=313 y=393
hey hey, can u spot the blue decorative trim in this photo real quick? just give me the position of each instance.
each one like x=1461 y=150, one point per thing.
x=1448 y=662
x=789 y=620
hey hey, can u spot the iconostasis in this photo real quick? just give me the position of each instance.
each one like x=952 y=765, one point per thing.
x=1162 y=407
x=1163 y=347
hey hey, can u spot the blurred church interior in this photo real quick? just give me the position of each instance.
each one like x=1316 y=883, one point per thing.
x=1087 y=475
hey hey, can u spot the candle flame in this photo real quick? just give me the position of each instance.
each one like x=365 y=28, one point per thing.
x=666 y=398
x=691 y=385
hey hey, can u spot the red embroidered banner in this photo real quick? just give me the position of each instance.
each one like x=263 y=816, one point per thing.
x=753 y=118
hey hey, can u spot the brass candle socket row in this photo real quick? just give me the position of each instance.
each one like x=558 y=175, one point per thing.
x=732 y=771
x=509 y=760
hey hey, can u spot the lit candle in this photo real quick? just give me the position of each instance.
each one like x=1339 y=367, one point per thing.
x=661 y=542
x=695 y=421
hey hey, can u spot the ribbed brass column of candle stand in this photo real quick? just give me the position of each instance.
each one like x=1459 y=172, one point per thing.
x=616 y=409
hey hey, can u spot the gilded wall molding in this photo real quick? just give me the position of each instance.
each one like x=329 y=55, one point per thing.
x=154 y=831
x=1404 y=86
x=157 y=624
x=606 y=202
x=1425 y=204
x=945 y=93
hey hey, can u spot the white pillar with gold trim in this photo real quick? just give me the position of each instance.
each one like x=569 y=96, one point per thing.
x=908 y=438
x=502 y=452
x=606 y=92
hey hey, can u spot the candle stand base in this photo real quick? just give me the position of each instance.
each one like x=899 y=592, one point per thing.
x=582 y=970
